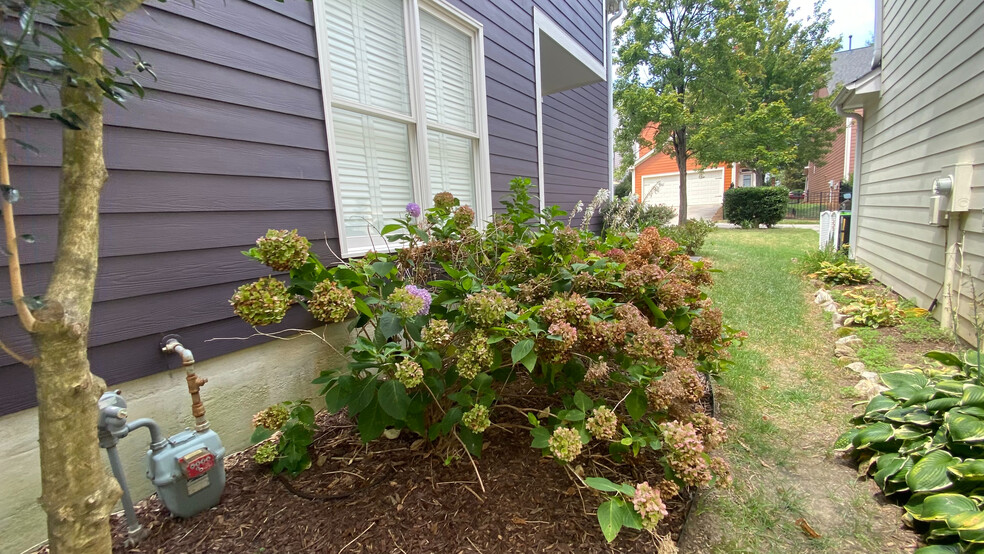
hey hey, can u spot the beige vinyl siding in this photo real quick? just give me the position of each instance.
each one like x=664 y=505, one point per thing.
x=930 y=114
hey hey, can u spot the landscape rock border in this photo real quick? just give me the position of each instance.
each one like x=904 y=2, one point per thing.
x=846 y=349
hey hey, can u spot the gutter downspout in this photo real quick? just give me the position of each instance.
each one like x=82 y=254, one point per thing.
x=611 y=116
x=856 y=190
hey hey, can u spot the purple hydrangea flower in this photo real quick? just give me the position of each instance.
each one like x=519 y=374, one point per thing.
x=420 y=293
x=413 y=209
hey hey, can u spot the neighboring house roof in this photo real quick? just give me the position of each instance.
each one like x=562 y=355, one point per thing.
x=848 y=65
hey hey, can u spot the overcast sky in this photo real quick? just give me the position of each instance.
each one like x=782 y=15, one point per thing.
x=850 y=17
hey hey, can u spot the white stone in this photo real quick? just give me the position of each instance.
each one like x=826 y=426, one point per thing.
x=842 y=351
x=851 y=340
x=868 y=390
x=830 y=307
x=839 y=320
x=857 y=367
x=822 y=297
x=870 y=375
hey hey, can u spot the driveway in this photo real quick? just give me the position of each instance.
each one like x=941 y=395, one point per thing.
x=702 y=211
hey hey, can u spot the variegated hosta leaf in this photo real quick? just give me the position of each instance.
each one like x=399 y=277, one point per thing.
x=896 y=379
x=879 y=404
x=970 y=520
x=951 y=388
x=844 y=442
x=898 y=414
x=930 y=473
x=976 y=536
x=902 y=392
x=909 y=432
x=970 y=470
x=888 y=465
x=919 y=417
x=939 y=549
x=941 y=404
x=939 y=507
x=975 y=411
x=873 y=434
x=964 y=428
x=973 y=395
x=911 y=447
x=921 y=396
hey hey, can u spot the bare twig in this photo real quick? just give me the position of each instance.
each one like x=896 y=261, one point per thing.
x=357 y=537
x=13 y=257
x=472 y=460
x=276 y=335
x=15 y=355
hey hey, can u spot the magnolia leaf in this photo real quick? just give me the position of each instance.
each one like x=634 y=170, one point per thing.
x=930 y=473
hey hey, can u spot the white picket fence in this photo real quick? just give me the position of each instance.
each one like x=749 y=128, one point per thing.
x=829 y=230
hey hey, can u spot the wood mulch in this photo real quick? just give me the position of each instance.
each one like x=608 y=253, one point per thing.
x=406 y=496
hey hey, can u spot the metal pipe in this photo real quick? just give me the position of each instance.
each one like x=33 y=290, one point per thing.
x=157 y=440
x=135 y=531
x=195 y=383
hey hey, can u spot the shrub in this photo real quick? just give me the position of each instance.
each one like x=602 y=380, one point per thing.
x=621 y=214
x=690 y=235
x=843 y=273
x=659 y=215
x=753 y=206
x=921 y=440
x=290 y=426
x=811 y=261
x=872 y=309
x=455 y=310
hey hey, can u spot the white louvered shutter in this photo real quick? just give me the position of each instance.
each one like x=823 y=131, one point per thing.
x=367 y=53
x=449 y=96
x=374 y=172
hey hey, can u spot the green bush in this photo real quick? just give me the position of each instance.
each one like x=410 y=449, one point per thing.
x=811 y=261
x=613 y=330
x=873 y=310
x=921 y=439
x=690 y=235
x=753 y=206
x=843 y=273
x=622 y=214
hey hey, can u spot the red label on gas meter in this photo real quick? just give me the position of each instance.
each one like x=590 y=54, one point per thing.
x=197 y=463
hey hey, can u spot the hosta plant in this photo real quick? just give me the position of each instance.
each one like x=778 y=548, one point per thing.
x=616 y=329
x=922 y=440
x=842 y=274
x=871 y=309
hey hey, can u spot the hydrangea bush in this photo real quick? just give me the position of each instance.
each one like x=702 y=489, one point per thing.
x=617 y=328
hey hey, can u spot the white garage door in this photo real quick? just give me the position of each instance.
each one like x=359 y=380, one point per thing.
x=704 y=187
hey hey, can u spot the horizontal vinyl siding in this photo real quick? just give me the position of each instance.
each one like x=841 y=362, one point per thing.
x=575 y=147
x=230 y=141
x=930 y=114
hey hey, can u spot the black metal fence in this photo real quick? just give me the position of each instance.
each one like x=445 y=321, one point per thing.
x=808 y=206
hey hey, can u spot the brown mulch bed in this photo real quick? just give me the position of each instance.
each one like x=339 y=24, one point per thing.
x=406 y=496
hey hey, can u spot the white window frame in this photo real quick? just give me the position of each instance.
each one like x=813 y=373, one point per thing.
x=417 y=120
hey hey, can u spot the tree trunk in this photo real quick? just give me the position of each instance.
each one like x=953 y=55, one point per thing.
x=680 y=147
x=759 y=178
x=76 y=491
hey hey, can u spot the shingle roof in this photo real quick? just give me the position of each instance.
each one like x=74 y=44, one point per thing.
x=849 y=65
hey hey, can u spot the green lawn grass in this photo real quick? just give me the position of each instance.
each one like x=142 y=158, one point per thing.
x=784 y=405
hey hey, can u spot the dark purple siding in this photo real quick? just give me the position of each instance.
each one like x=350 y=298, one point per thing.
x=230 y=142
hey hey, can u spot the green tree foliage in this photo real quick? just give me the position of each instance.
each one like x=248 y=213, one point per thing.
x=659 y=79
x=767 y=68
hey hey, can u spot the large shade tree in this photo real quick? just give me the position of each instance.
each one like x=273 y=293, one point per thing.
x=767 y=66
x=661 y=81
x=60 y=45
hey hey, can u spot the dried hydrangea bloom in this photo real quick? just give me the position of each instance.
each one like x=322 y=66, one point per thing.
x=407 y=303
x=566 y=241
x=631 y=318
x=444 y=200
x=474 y=356
x=707 y=327
x=722 y=471
x=487 y=308
x=684 y=453
x=272 y=418
x=710 y=430
x=261 y=303
x=463 y=217
x=597 y=371
x=565 y=444
x=648 y=275
x=409 y=373
x=650 y=343
x=557 y=351
x=573 y=309
x=519 y=260
x=477 y=418
x=649 y=505
x=437 y=334
x=534 y=290
x=669 y=489
x=283 y=250
x=266 y=453
x=603 y=423
x=330 y=303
